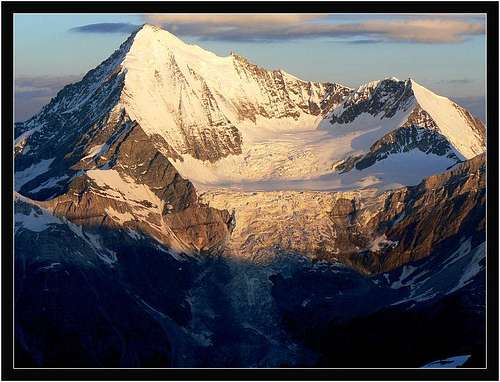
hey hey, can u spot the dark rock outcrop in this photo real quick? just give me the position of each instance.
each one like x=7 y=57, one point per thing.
x=416 y=222
x=382 y=98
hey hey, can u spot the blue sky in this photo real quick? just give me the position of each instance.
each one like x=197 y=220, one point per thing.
x=445 y=53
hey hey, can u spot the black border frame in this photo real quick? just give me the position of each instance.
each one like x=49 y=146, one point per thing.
x=490 y=8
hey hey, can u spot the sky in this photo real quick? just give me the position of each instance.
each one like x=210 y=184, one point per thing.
x=445 y=53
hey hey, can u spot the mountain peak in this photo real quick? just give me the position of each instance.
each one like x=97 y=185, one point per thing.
x=148 y=26
x=153 y=33
x=153 y=30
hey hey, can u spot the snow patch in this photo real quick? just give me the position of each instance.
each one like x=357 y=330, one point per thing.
x=93 y=240
x=21 y=140
x=457 y=271
x=36 y=221
x=50 y=267
x=96 y=151
x=30 y=173
x=124 y=188
x=119 y=217
x=472 y=269
x=50 y=183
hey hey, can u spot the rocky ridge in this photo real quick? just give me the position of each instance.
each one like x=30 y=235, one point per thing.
x=426 y=128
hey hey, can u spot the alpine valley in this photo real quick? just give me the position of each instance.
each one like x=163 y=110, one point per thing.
x=175 y=208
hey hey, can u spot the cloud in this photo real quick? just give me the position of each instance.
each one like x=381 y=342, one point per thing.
x=462 y=81
x=275 y=27
x=32 y=93
x=365 y=41
x=105 y=28
x=233 y=20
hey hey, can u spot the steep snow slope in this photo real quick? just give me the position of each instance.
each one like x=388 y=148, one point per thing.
x=196 y=100
x=454 y=122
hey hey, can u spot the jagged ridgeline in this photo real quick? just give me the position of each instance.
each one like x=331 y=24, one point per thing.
x=177 y=208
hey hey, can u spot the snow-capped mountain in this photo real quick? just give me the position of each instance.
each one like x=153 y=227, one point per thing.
x=223 y=121
x=123 y=147
x=174 y=195
x=190 y=97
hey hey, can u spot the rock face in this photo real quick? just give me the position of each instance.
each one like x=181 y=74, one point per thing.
x=438 y=214
x=345 y=318
x=135 y=186
x=377 y=98
x=74 y=310
x=287 y=96
x=370 y=232
x=102 y=297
